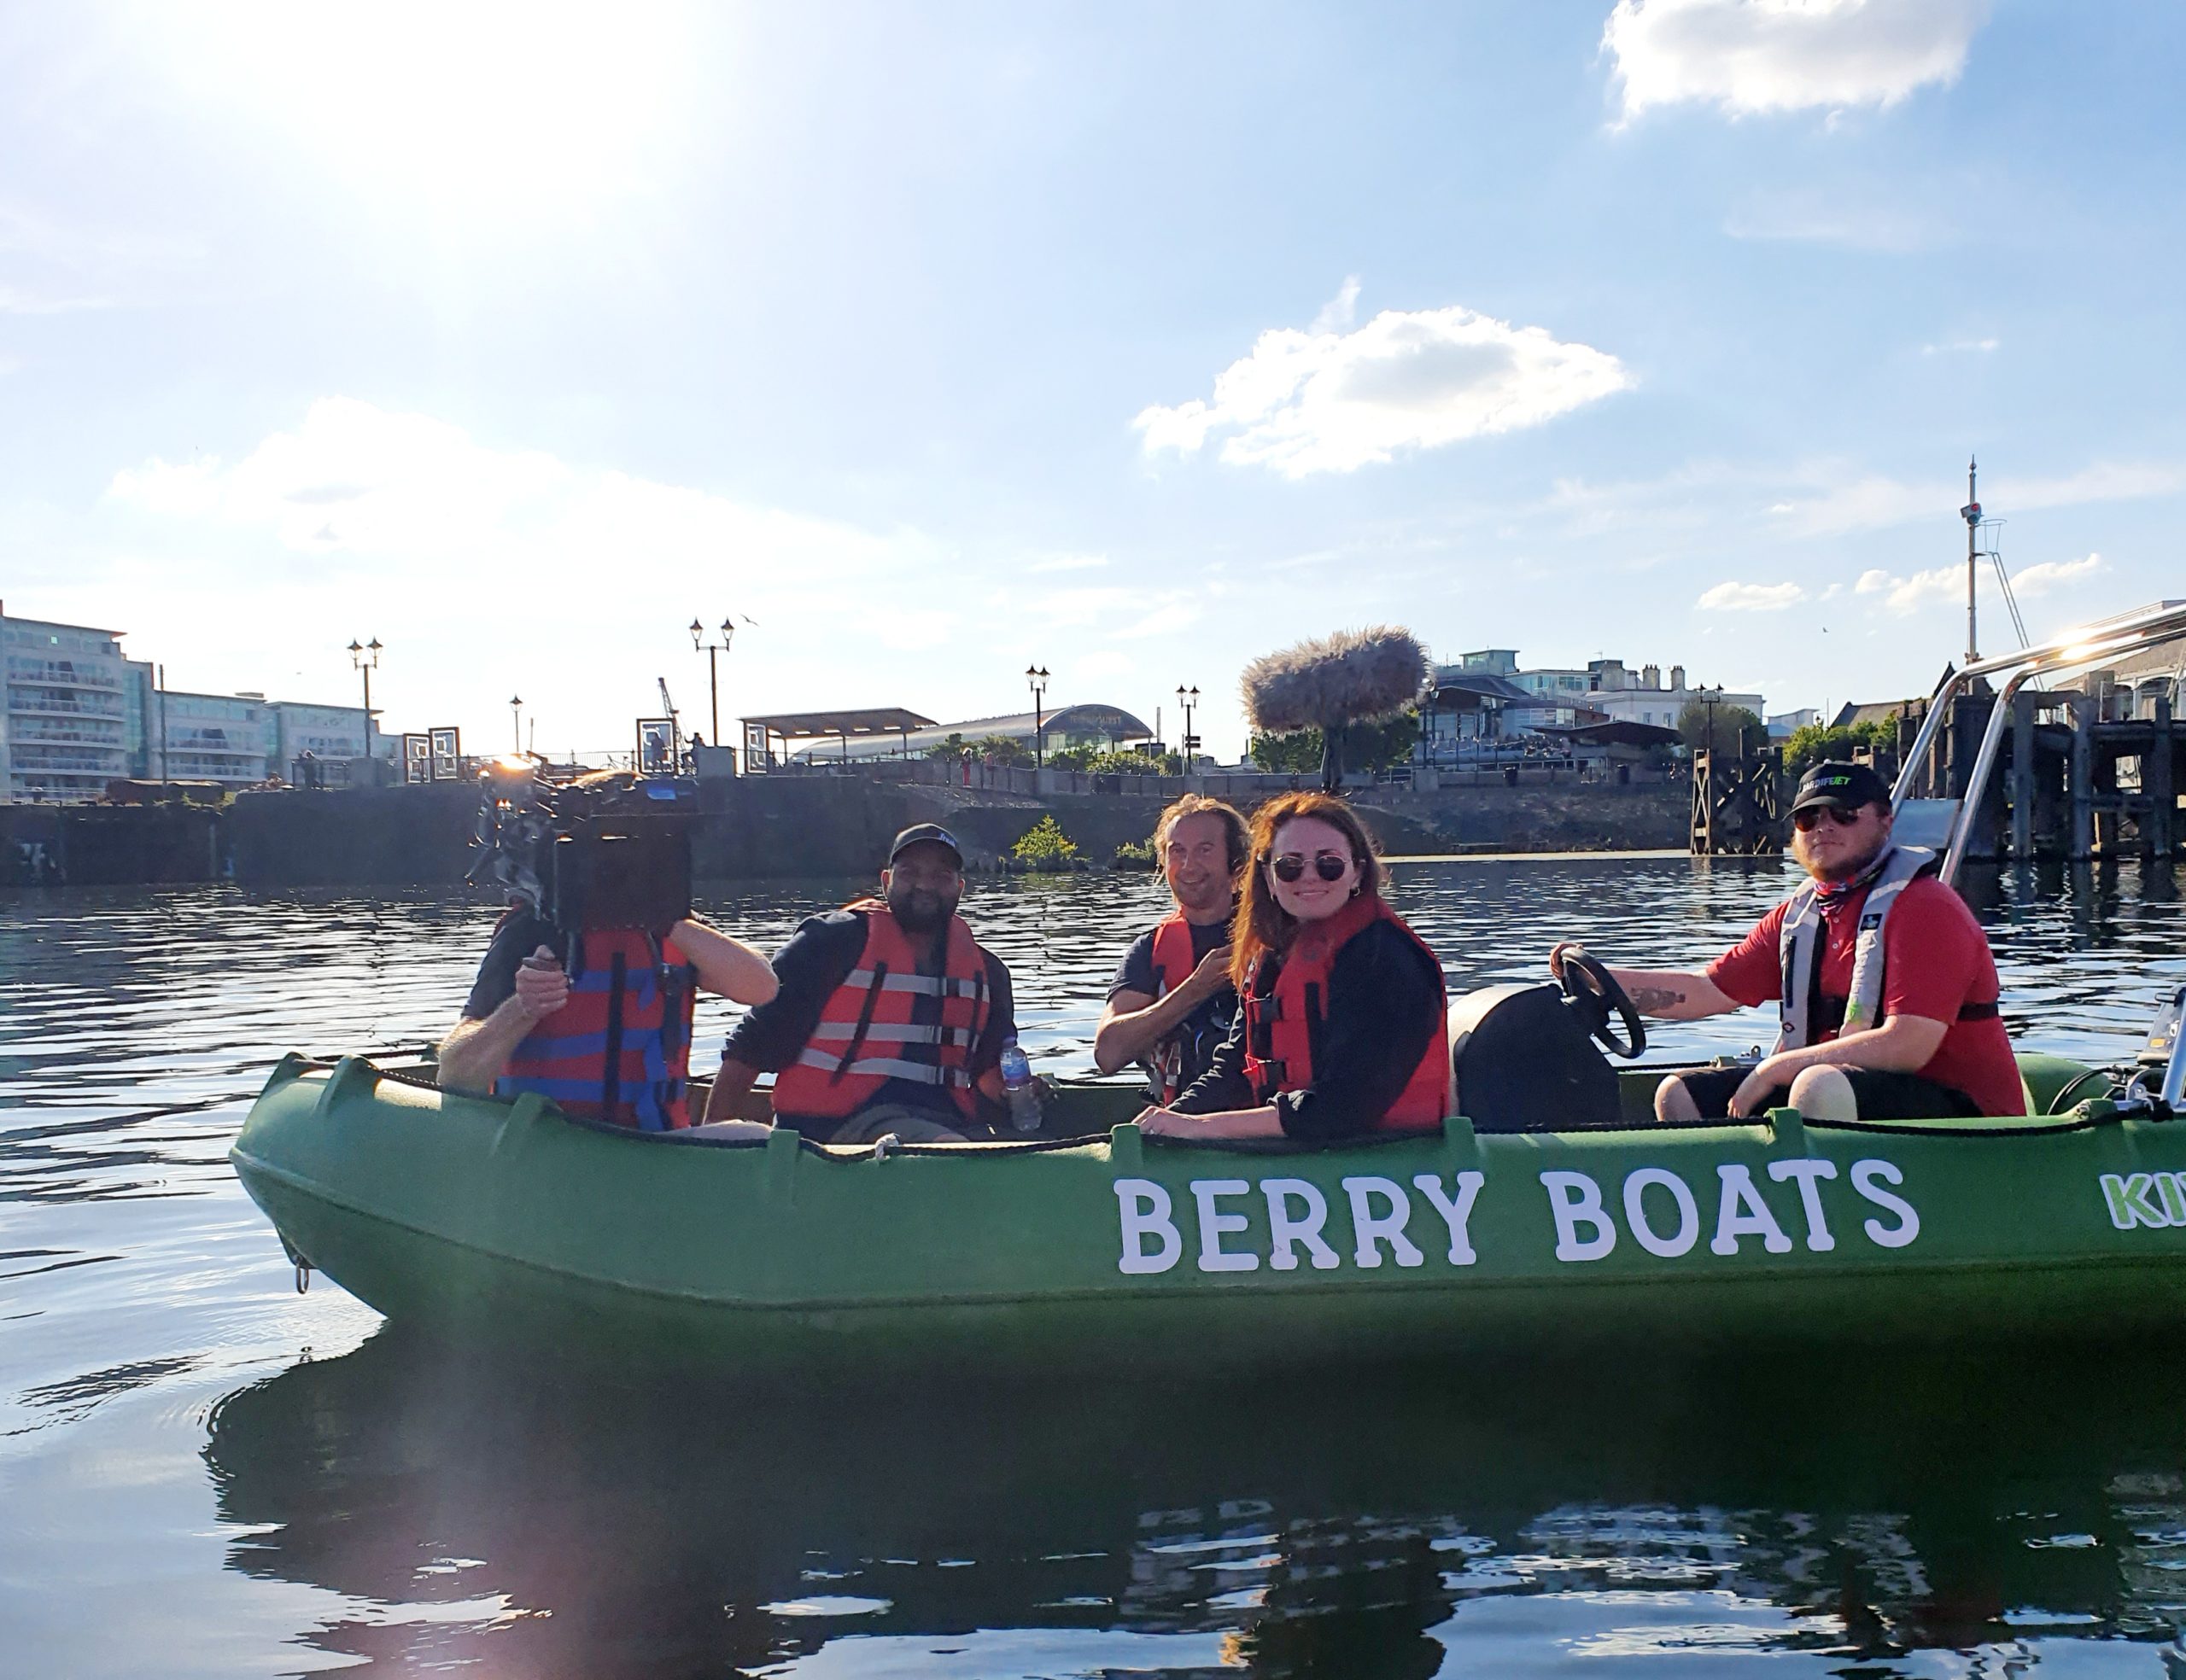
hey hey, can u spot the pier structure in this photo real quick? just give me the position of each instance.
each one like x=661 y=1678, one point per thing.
x=1738 y=802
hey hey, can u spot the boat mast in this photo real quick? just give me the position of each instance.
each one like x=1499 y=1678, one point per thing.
x=1970 y=513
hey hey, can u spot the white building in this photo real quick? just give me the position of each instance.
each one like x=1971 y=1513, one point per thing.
x=65 y=732
x=1603 y=686
x=78 y=714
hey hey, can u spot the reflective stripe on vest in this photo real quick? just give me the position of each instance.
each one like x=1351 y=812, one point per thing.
x=1282 y=1029
x=1803 y=937
x=868 y=1032
x=620 y=1049
x=1173 y=964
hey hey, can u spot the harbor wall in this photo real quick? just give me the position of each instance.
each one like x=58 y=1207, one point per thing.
x=749 y=829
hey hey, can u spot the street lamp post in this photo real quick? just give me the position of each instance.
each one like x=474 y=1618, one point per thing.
x=1035 y=678
x=1187 y=700
x=365 y=656
x=713 y=671
x=516 y=718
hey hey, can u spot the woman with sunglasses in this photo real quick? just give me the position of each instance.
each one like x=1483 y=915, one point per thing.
x=1342 y=1031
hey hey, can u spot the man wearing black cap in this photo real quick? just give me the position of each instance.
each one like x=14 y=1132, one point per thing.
x=1886 y=988
x=891 y=1017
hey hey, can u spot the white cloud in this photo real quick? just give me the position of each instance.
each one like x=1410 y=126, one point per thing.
x=1981 y=347
x=1340 y=312
x=1753 y=55
x=2049 y=574
x=1731 y=597
x=1861 y=222
x=1331 y=401
x=1871 y=502
x=1902 y=594
x=1068 y=562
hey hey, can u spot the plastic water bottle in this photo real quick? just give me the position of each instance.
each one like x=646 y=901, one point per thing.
x=1017 y=1088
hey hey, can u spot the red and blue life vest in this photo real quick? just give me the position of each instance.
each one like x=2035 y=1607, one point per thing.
x=620 y=1049
x=1173 y=964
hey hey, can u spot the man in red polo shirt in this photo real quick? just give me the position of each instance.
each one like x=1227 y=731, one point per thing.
x=1887 y=988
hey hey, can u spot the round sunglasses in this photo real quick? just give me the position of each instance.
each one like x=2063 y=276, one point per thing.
x=1329 y=866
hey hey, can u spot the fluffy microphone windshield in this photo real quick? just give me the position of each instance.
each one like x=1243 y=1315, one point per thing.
x=1354 y=676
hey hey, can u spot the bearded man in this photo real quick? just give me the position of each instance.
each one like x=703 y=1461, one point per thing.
x=890 y=1017
x=1886 y=988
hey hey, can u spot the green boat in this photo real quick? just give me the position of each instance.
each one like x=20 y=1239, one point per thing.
x=463 y=1211
x=1100 y=1247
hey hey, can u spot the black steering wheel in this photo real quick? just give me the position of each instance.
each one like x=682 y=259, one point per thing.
x=1592 y=990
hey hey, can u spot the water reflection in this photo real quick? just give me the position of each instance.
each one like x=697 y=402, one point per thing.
x=618 y=1525
x=428 y=1510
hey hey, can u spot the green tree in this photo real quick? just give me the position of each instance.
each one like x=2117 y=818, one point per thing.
x=1044 y=846
x=1814 y=742
x=1003 y=749
x=951 y=747
x=1693 y=726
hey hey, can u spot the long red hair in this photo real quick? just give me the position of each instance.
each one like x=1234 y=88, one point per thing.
x=1260 y=924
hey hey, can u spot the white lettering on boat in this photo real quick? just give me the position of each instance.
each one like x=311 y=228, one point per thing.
x=1864 y=1174
x=1372 y=1228
x=1742 y=1213
x=1212 y=1223
x=1456 y=1215
x=1660 y=1208
x=1284 y=1231
x=2143 y=1198
x=1576 y=1199
x=1807 y=1172
x=1635 y=1212
x=1145 y=1209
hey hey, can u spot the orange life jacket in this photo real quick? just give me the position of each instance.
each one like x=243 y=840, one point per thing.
x=871 y=1029
x=1281 y=1026
x=1173 y=964
x=620 y=1049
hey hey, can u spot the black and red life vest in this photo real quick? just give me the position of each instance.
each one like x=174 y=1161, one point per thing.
x=1173 y=964
x=1282 y=1026
x=620 y=1049
x=887 y=1020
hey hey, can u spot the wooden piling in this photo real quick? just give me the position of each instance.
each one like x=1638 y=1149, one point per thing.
x=2081 y=788
x=2159 y=832
x=2022 y=785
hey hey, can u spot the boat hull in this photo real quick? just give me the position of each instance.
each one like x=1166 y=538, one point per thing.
x=477 y=1215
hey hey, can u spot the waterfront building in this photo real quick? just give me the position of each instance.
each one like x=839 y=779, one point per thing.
x=65 y=732
x=78 y=713
x=845 y=738
x=1486 y=704
x=1783 y=724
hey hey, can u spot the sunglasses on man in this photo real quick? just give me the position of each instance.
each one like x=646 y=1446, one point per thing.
x=1808 y=821
x=1329 y=866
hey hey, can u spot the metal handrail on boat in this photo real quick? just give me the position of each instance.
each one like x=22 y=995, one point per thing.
x=2078 y=650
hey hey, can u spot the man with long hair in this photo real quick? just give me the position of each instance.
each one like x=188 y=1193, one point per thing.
x=1172 y=1003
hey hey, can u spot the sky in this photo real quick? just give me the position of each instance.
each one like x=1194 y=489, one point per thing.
x=925 y=343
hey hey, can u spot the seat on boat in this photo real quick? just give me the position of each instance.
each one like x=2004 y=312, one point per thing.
x=1525 y=1062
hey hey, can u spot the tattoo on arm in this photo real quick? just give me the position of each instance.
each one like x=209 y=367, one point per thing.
x=1654 y=1000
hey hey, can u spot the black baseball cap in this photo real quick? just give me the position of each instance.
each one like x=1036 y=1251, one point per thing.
x=921 y=832
x=1847 y=786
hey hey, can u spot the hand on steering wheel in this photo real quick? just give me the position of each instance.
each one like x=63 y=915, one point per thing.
x=1593 y=991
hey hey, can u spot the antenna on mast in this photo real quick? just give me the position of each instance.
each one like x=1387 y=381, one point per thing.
x=1970 y=513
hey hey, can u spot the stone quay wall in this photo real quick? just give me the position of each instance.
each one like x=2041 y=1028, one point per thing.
x=753 y=828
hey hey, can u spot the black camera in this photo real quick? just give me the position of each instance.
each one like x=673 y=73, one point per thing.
x=611 y=853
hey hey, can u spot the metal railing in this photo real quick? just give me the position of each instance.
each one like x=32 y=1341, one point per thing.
x=2077 y=650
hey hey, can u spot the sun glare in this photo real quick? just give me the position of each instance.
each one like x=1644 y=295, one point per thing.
x=477 y=109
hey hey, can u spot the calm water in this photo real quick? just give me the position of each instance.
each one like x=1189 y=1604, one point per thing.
x=203 y=1474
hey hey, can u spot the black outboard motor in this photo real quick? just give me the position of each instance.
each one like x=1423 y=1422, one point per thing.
x=1528 y=1058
